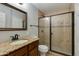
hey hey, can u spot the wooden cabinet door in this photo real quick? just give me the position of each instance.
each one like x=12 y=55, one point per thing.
x=34 y=52
x=33 y=45
x=20 y=52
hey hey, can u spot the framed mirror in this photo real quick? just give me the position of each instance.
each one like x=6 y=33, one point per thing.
x=12 y=18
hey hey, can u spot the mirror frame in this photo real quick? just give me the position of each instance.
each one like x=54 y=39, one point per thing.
x=14 y=29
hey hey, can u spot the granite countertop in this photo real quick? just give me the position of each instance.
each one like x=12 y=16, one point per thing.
x=6 y=47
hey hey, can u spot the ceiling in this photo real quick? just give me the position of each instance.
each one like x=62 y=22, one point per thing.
x=49 y=7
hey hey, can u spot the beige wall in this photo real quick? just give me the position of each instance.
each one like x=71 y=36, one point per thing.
x=32 y=15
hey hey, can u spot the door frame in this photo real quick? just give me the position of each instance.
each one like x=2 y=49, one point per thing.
x=73 y=44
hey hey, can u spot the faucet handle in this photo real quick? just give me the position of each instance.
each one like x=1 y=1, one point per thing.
x=13 y=38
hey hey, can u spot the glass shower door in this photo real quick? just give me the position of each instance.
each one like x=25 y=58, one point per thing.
x=61 y=30
x=44 y=31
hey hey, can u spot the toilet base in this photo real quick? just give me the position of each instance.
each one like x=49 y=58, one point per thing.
x=42 y=54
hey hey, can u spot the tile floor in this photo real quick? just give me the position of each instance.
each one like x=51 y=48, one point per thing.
x=53 y=54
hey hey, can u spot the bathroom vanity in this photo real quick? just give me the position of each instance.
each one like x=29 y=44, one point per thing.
x=27 y=50
x=30 y=48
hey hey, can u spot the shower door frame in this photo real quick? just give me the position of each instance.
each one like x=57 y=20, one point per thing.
x=72 y=34
x=73 y=45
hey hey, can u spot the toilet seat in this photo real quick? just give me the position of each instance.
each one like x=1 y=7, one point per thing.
x=43 y=48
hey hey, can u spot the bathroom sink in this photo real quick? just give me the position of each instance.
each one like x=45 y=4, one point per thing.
x=18 y=42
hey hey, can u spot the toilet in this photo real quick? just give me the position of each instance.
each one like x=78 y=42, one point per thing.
x=43 y=49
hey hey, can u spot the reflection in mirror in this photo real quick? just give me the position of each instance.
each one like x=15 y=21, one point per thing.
x=2 y=20
x=18 y=19
x=12 y=18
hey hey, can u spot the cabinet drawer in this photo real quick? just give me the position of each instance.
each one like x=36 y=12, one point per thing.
x=33 y=45
x=20 y=52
